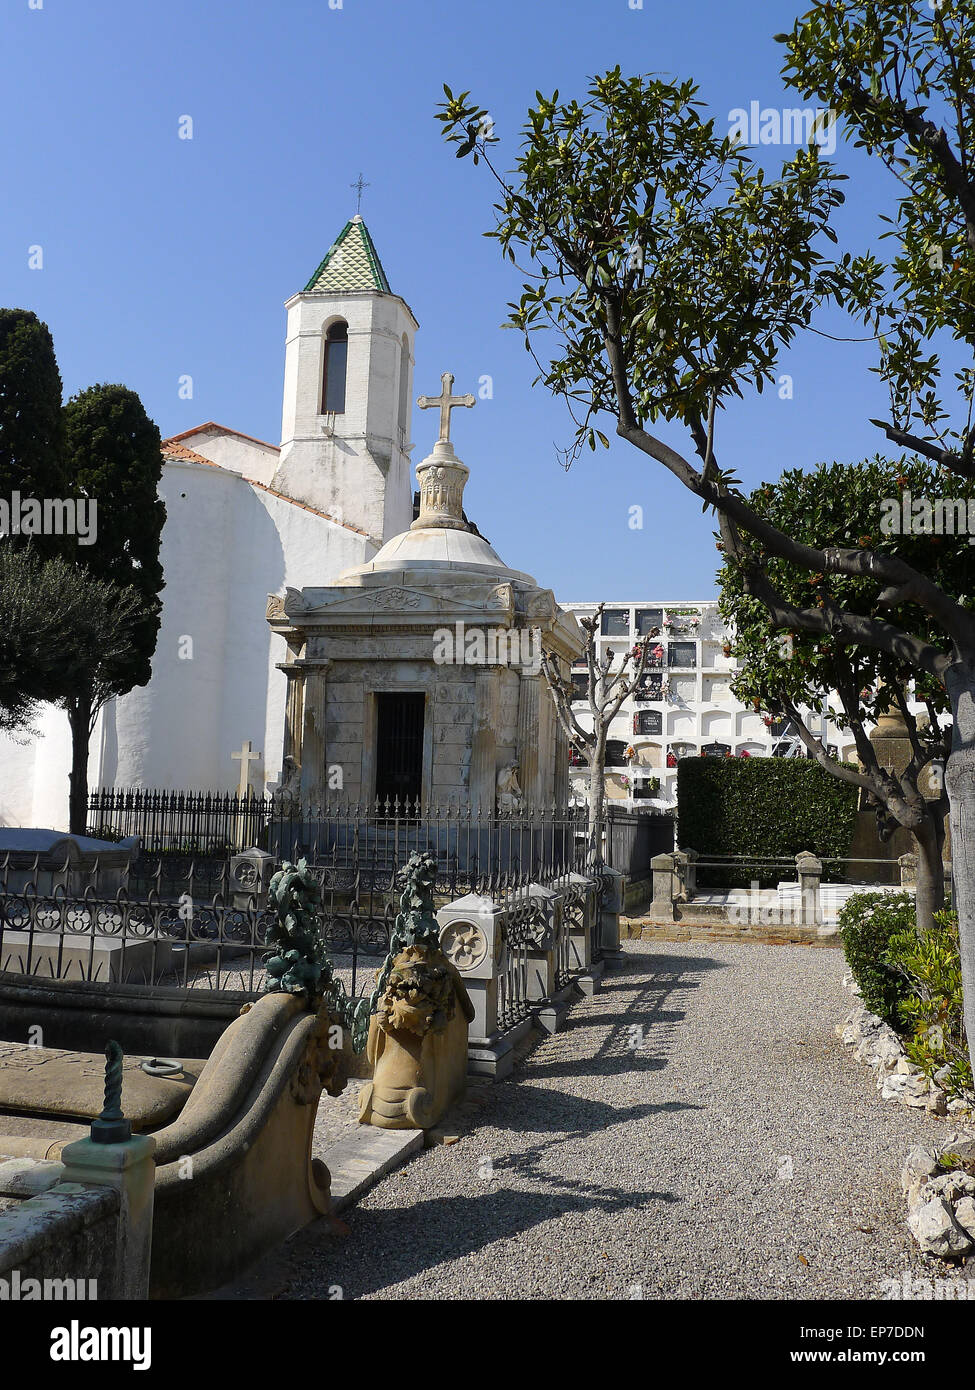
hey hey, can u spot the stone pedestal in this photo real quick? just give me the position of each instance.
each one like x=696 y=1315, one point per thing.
x=666 y=887
x=129 y=1168
x=250 y=873
x=810 y=872
x=543 y=985
x=472 y=939
x=611 y=910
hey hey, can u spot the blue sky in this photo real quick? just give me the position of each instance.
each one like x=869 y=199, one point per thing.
x=165 y=257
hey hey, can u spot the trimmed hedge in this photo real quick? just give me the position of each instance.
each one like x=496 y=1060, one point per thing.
x=764 y=808
x=869 y=923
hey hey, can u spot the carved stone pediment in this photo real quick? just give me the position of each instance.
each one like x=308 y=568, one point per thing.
x=367 y=603
x=406 y=600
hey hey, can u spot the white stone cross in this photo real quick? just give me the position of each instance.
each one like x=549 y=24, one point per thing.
x=447 y=403
x=246 y=756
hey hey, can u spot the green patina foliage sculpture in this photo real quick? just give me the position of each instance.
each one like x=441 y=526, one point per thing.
x=415 y=924
x=299 y=963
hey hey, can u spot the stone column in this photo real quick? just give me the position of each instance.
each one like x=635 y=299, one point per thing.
x=810 y=871
x=484 y=747
x=547 y=743
x=294 y=712
x=313 y=752
x=528 y=738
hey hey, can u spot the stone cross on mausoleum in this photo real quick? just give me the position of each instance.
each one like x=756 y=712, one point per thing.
x=441 y=475
x=447 y=403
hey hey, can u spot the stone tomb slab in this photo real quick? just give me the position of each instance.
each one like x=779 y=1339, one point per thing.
x=51 y=1081
x=74 y=957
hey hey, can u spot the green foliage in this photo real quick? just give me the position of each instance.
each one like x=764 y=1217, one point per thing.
x=868 y=924
x=114 y=456
x=911 y=978
x=900 y=73
x=839 y=505
x=31 y=425
x=58 y=627
x=762 y=808
x=929 y=965
x=636 y=218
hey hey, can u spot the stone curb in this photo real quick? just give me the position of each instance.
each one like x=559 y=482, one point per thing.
x=357 y=1162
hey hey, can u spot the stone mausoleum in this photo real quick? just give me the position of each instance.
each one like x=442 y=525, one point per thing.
x=416 y=676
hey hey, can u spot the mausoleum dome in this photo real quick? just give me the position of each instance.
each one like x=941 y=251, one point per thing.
x=438 y=548
x=440 y=538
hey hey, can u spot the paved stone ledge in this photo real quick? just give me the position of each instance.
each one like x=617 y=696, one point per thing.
x=365 y=1155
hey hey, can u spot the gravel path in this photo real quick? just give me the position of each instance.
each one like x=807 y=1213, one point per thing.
x=696 y=1132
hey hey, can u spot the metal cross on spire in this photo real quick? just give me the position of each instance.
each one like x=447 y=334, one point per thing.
x=447 y=403
x=359 y=185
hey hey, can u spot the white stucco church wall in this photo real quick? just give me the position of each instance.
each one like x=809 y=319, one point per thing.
x=244 y=519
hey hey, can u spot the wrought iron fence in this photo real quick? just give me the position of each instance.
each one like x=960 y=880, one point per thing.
x=152 y=942
x=189 y=945
x=180 y=919
x=182 y=829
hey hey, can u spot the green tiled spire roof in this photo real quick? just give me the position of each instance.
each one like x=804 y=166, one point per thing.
x=351 y=263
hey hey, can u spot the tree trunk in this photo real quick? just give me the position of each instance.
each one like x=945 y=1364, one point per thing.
x=929 y=892
x=597 y=802
x=79 y=718
x=960 y=784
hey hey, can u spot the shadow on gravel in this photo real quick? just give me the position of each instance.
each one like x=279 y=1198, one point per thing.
x=638 y=1034
x=379 y=1252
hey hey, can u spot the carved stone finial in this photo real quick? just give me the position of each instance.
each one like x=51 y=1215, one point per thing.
x=441 y=475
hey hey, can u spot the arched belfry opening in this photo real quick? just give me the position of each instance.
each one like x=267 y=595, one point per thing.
x=335 y=367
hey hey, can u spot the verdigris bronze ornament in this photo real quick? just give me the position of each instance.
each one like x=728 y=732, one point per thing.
x=415 y=923
x=112 y=1127
x=299 y=963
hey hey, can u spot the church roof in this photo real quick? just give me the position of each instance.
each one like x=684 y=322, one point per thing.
x=173 y=450
x=209 y=426
x=351 y=263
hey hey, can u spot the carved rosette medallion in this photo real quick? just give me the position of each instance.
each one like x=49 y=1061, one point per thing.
x=396 y=598
x=464 y=945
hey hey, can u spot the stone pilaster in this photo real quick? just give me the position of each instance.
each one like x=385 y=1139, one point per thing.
x=484 y=748
x=314 y=781
x=528 y=738
x=547 y=744
x=294 y=712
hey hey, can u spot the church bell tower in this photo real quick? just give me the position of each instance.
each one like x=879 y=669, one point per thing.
x=348 y=385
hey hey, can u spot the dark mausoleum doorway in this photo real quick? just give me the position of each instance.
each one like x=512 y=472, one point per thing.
x=399 y=746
